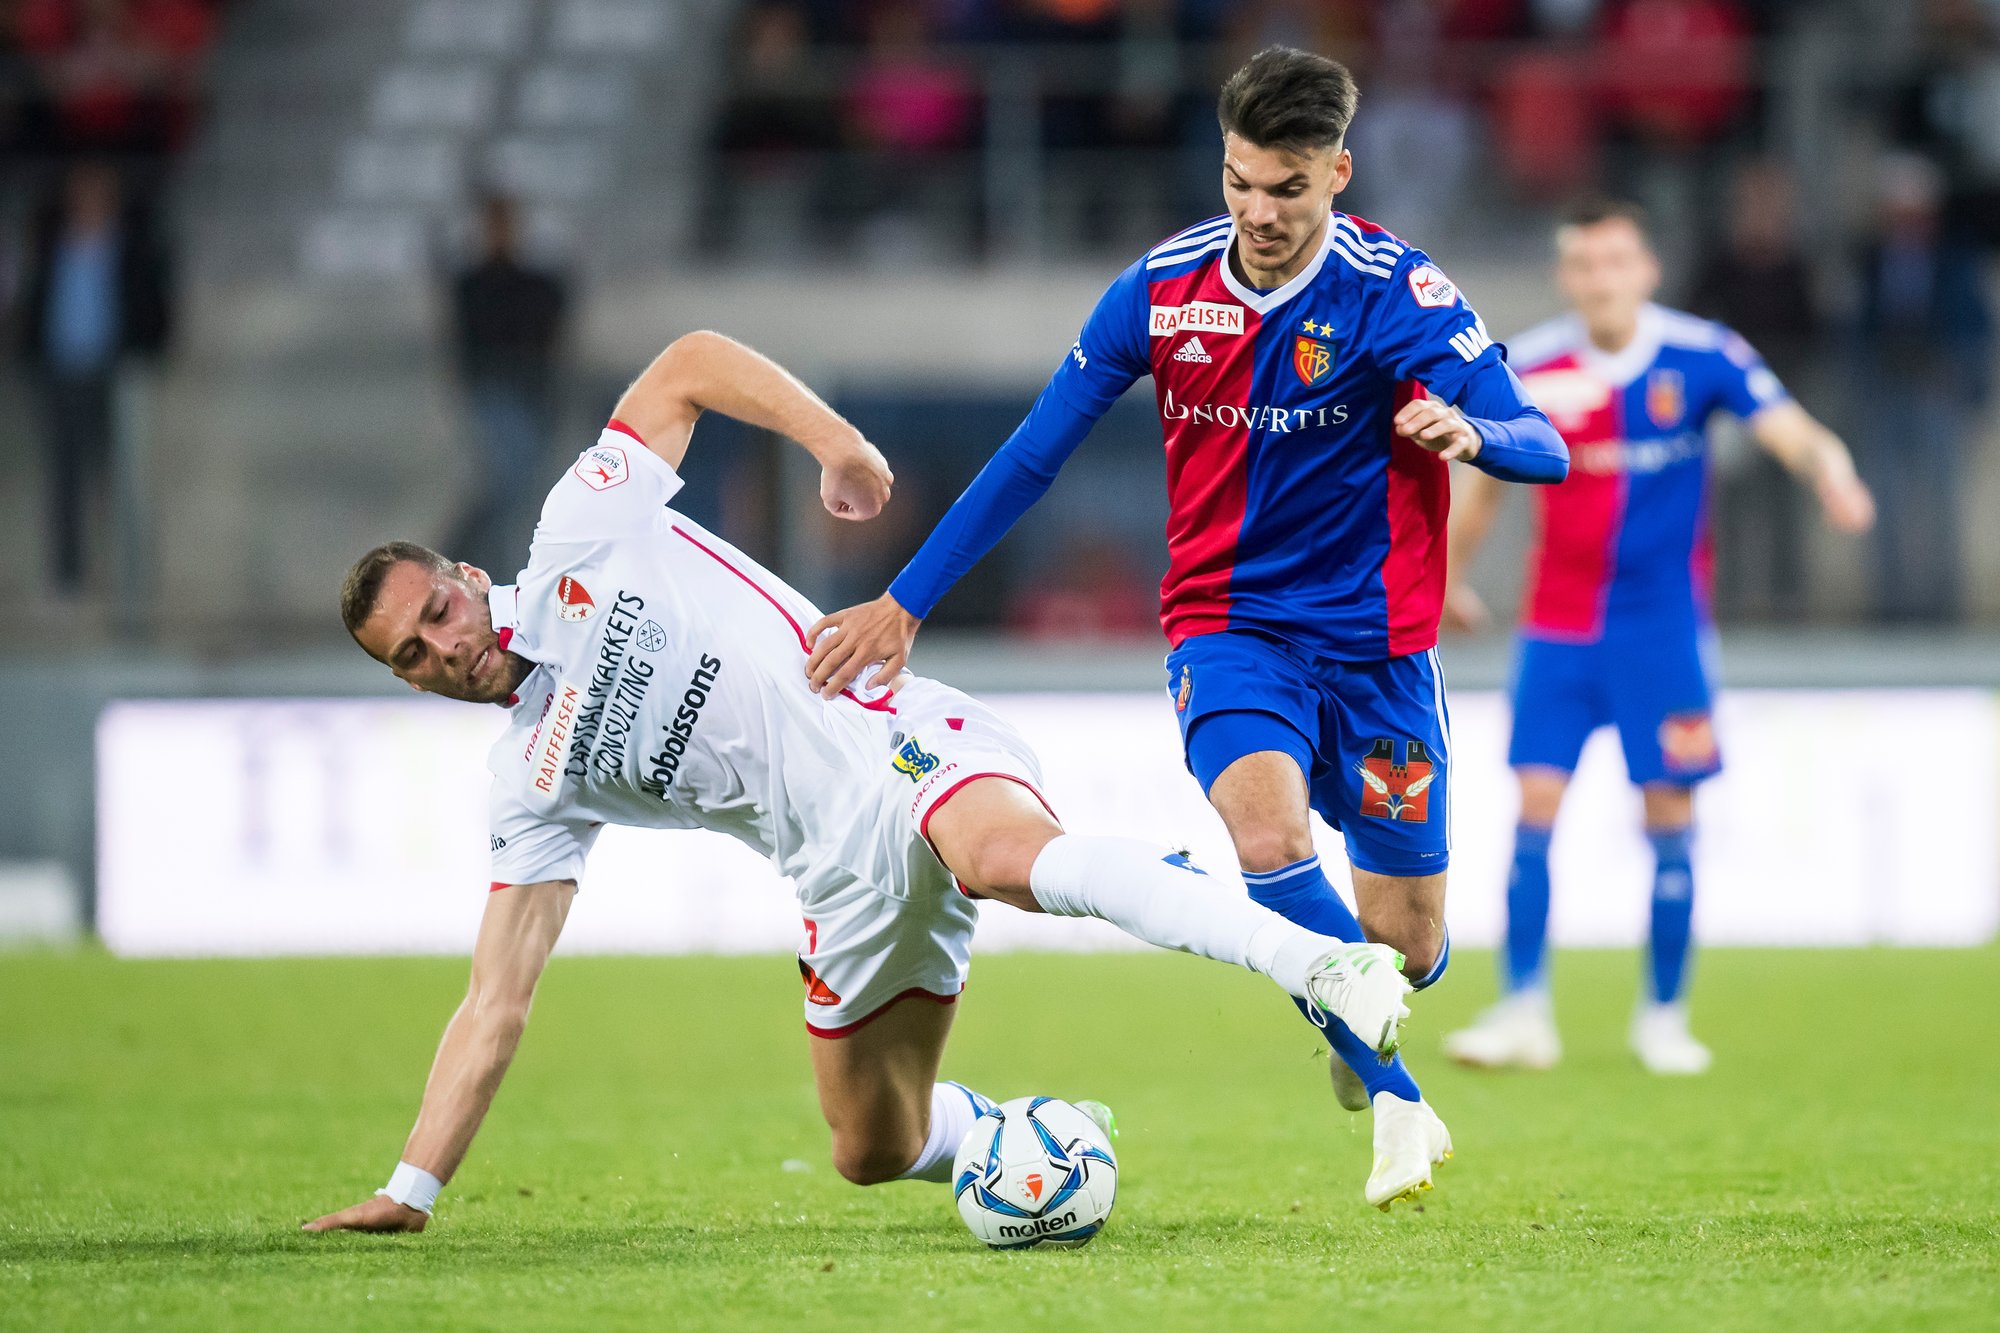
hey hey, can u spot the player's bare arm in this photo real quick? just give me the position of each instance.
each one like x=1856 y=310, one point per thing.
x=1476 y=499
x=708 y=372
x=519 y=929
x=1819 y=458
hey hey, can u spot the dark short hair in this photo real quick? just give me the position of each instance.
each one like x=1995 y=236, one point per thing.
x=363 y=584
x=1595 y=208
x=1289 y=100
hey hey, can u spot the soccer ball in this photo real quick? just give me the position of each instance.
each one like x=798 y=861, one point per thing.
x=1035 y=1171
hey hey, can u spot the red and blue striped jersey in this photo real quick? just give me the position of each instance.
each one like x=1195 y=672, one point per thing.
x=1294 y=509
x=1626 y=536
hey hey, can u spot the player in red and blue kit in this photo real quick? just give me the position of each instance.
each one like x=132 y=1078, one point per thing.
x=1314 y=374
x=1615 y=630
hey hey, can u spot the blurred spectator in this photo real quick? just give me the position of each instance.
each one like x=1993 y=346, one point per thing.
x=906 y=98
x=777 y=130
x=1925 y=339
x=770 y=109
x=1676 y=73
x=1759 y=283
x=1545 y=126
x=908 y=111
x=94 y=68
x=508 y=323
x=96 y=296
x=1951 y=109
x=1418 y=111
x=107 y=75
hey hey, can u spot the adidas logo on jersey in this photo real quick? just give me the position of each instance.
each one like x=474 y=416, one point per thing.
x=1193 y=351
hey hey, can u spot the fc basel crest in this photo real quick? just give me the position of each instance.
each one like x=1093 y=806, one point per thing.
x=1392 y=790
x=1312 y=359
x=1666 y=398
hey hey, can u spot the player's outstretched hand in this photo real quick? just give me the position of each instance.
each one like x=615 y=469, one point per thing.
x=1849 y=505
x=855 y=484
x=1464 y=610
x=1440 y=428
x=846 y=643
x=376 y=1214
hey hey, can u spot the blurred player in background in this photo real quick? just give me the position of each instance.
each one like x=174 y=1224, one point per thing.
x=1615 y=626
x=652 y=675
x=1314 y=375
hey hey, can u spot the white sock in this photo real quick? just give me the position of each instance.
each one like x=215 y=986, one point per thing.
x=953 y=1109
x=1137 y=887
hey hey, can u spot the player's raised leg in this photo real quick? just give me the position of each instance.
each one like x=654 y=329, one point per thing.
x=1660 y=1035
x=1519 y=1030
x=1000 y=841
x=878 y=1088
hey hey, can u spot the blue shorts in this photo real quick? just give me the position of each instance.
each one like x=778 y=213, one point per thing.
x=1653 y=682
x=1372 y=738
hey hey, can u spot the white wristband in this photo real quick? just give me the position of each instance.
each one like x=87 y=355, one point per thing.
x=413 y=1187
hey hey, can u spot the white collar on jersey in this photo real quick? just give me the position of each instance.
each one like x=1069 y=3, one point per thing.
x=1621 y=367
x=1277 y=296
x=503 y=602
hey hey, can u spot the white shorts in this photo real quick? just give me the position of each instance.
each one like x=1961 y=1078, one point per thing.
x=870 y=945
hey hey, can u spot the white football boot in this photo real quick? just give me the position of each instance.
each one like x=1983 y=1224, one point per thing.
x=1661 y=1040
x=1409 y=1141
x=1517 y=1033
x=1363 y=986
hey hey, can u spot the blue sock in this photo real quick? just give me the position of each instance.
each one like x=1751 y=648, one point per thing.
x=1673 y=911
x=1525 y=956
x=1430 y=978
x=1300 y=894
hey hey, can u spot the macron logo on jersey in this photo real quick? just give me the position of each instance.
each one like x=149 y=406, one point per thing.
x=1192 y=351
x=1165 y=321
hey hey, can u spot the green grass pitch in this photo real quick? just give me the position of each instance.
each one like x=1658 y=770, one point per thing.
x=656 y=1160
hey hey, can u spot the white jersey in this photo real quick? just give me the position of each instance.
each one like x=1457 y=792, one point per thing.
x=670 y=692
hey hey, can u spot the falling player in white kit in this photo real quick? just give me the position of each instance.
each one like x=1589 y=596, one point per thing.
x=652 y=673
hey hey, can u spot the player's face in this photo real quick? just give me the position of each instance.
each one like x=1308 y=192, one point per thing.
x=435 y=631
x=1606 y=272
x=1278 y=200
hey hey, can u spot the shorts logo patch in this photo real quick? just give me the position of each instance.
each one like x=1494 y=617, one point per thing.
x=913 y=761
x=817 y=991
x=1186 y=688
x=1398 y=791
x=602 y=467
x=1687 y=741
x=1312 y=359
x=573 y=601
